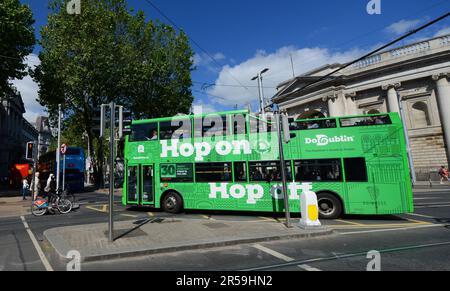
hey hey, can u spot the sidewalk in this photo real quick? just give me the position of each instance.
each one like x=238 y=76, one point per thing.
x=14 y=206
x=421 y=186
x=169 y=235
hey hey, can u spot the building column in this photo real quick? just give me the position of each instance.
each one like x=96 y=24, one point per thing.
x=443 y=99
x=335 y=106
x=392 y=97
x=352 y=109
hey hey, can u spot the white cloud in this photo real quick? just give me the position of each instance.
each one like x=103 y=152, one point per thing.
x=279 y=63
x=201 y=107
x=29 y=91
x=402 y=26
x=208 y=61
x=444 y=31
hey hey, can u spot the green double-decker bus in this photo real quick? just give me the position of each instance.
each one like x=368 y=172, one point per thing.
x=230 y=161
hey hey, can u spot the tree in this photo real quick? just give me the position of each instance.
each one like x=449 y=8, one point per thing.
x=16 y=42
x=109 y=54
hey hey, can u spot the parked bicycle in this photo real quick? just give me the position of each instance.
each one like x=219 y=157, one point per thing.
x=61 y=204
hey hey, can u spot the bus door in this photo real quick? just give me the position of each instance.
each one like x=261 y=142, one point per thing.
x=147 y=185
x=140 y=185
x=133 y=184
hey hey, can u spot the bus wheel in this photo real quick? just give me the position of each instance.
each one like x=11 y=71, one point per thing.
x=172 y=203
x=330 y=207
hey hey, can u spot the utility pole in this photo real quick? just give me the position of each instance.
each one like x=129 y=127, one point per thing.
x=292 y=65
x=58 y=154
x=260 y=91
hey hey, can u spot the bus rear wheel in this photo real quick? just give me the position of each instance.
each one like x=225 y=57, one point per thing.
x=172 y=203
x=330 y=207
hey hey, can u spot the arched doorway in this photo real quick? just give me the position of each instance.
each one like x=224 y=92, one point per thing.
x=373 y=111
x=312 y=114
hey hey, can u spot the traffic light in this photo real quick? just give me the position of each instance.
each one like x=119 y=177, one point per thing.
x=286 y=121
x=29 y=154
x=125 y=122
x=99 y=120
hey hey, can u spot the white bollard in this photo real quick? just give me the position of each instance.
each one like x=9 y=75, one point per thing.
x=309 y=209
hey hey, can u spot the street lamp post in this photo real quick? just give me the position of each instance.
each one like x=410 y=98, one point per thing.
x=260 y=90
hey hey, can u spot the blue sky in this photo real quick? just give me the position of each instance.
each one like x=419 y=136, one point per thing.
x=245 y=36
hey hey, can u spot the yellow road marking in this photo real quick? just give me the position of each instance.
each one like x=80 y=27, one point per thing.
x=103 y=210
x=129 y=215
x=349 y=222
x=267 y=218
x=392 y=225
x=418 y=221
x=208 y=217
x=150 y=214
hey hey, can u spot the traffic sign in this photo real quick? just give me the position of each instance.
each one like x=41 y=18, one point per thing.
x=63 y=149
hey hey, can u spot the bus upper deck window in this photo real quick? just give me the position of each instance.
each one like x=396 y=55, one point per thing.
x=176 y=129
x=144 y=132
x=314 y=124
x=366 y=121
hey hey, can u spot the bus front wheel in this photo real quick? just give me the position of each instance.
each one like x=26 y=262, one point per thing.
x=330 y=207
x=172 y=203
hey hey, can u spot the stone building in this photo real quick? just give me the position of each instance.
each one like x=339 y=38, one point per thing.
x=15 y=132
x=415 y=77
x=45 y=134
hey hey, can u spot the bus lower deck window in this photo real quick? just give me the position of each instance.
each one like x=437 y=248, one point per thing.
x=213 y=172
x=355 y=170
x=326 y=170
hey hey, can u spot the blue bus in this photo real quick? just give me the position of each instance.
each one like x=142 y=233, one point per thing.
x=74 y=168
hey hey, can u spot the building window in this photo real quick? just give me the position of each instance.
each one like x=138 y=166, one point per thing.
x=420 y=115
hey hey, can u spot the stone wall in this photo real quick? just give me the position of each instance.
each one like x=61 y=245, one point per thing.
x=428 y=155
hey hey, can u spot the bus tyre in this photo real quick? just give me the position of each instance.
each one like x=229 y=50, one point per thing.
x=172 y=203
x=330 y=207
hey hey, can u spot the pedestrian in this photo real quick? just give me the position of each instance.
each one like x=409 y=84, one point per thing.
x=50 y=188
x=36 y=186
x=25 y=188
x=443 y=172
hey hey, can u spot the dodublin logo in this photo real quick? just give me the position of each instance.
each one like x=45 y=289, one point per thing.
x=262 y=146
x=323 y=140
x=74 y=7
x=374 y=7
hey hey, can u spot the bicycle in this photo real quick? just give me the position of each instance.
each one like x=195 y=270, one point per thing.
x=41 y=206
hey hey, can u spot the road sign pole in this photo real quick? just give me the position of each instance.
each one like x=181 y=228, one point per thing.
x=64 y=173
x=283 y=171
x=112 y=107
x=58 y=156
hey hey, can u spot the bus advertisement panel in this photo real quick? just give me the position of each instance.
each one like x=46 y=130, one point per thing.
x=230 y=161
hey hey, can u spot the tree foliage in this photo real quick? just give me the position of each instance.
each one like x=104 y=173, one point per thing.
x=108 y=53
x=16 y=42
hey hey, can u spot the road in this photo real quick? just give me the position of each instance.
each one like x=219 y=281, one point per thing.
x=419 y=241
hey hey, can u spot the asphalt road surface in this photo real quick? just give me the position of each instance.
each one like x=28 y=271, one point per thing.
x=419 y=241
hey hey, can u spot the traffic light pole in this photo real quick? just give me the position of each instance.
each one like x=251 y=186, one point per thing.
x=112 y=140
x=283 y=170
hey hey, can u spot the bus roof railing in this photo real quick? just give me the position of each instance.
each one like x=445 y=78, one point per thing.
x=346 y=117
x=190 y=116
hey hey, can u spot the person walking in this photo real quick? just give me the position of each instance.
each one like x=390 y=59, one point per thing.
x=50 y=188
x=36 y=186
x=443 y=172
x=25 y=188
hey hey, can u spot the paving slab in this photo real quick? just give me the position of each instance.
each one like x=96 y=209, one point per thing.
x=158 y=235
